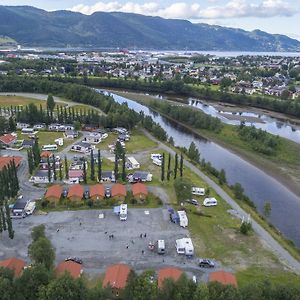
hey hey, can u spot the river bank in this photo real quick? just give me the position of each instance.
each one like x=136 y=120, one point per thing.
x=286 y=173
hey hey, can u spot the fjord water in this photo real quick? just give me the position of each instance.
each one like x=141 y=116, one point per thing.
x=259 y=186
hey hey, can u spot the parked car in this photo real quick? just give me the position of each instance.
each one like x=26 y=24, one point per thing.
x=86 y=194
x=74 y=258
x=206 y=263
x=65 y=193
x=193 y=201
x=107 y=192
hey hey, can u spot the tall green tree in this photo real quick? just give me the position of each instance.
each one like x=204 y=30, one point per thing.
x=123 y=167
x=36 y=153
x=92 y=166
x=162 y=175
x=60 y=172
x=66 y=168
x=50 y=103
x=116 y=168
x=193 y=153
x=30 y=161
x=84 y=172
x=11 y=232
x=41 y=251
x=49 y=169
x=99 y=165
x=176 y=166
x=54 y=169
x=12 y=124
x=169 y=167
x=181 y=165
x=267 y=209
x=222 y=177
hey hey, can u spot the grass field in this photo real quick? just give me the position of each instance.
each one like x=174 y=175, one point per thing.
x=7 y=101
x=139 y=142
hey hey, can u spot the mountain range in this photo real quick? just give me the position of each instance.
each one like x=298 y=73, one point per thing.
x=30 y=26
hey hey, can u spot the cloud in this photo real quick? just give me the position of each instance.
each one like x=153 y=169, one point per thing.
x=182 y=10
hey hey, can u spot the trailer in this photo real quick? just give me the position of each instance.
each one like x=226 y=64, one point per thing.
x=157 y=161
x=183 y=220
x=210 y=202
x=198 y=191
x=185 y=246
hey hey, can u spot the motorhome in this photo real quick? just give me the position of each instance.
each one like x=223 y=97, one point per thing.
x=27 y=131
x=51 y=147
x=198 y=191
x=185 y=246
x=183 y=220
x=123 y=212
x=161 y=247
x=157 y=156
x=30 y=207
x=210 y=202
x=132 y=163
x=157 y=161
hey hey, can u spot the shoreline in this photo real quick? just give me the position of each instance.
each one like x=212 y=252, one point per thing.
x=262 y=164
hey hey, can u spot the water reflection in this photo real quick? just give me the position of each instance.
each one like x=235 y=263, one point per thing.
x=258 y=186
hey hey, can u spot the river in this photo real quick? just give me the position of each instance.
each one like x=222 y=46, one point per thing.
x=259 y=186
x=270 y=124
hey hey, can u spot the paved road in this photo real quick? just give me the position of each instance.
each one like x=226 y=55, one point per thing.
x=279 y=251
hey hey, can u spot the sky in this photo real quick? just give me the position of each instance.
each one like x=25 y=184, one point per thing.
x=273 y=16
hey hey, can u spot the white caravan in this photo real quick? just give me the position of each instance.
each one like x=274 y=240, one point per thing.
x=185 y=246
x=210 y=202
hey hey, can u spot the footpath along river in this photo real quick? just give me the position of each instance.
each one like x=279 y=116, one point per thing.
x=259 y=186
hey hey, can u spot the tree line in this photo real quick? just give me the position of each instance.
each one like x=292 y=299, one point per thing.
x=9 y=187
x=260 y=140
x=186 y=115
x=117 y=115
x=178 y=87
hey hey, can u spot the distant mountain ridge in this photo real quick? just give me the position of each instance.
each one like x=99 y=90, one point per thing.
x=30 y=26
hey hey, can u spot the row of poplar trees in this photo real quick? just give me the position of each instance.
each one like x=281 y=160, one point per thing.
x=9 y=187
x=178 y=167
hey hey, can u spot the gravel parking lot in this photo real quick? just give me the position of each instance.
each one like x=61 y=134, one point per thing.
x=83 y=234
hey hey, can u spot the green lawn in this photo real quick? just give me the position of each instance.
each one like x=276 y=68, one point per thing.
x=48 y=137
x=8 y=101
x=139 y=142
x=258 y=274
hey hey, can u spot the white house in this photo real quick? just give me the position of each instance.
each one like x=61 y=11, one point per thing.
x=93 y=138
x=82 y=147
x=41 y=176
x=70 y=134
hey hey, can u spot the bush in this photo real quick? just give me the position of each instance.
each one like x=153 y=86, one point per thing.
x=246 y=228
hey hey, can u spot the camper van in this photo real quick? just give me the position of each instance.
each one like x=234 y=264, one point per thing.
x=123 y=212
x=198 y=191
x=49 y=147
x=157 y=161
x=157 y=156
x=210 y=202
x=183 y=220
x=185 y=246
x=161 y=247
